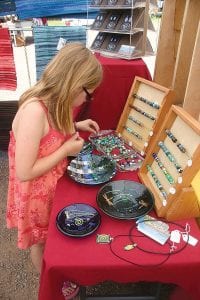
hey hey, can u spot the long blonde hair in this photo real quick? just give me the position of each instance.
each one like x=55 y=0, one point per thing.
x=73 y=68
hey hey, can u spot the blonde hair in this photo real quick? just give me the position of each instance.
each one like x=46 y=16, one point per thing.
x=73 y=68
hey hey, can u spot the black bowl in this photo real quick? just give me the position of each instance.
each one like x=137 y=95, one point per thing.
x=125 y=199
x=78 y=220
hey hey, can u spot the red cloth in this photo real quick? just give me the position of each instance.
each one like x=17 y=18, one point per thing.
x=8 y=80
x=110 y=97
x=85 y=262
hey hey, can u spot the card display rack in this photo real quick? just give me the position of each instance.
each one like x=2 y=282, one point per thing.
x=144 y=112
x=171 y=163
x=122 y=27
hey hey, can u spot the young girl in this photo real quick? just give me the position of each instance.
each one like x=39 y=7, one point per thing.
x=43 y=135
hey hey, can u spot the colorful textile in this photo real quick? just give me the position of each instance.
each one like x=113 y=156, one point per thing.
x=7 y=7
x=46 y=40
x=8 y=80
x=34 y=9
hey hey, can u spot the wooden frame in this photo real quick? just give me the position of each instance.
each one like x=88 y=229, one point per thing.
x=192 y=95
x=153 y=92
x=176 y=44
x=169 y=37
x=181 y=201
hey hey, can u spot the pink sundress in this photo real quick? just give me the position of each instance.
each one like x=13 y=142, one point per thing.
x=29 y=203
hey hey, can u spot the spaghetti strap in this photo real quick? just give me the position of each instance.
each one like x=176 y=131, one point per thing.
x=46 y=111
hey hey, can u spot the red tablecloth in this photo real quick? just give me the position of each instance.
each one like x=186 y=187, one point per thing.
x=85 y=262
x=82 y=260
x=110 y=97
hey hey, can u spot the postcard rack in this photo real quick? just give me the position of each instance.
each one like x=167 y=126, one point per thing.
x=122 y=27
x=144 y=112
x=170 y=165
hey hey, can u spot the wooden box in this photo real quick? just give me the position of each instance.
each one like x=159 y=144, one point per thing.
x=169 y=173
x=144 y=112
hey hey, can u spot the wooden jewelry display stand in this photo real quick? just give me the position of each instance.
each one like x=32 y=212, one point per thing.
x=143 y=114
x=169 y=172
x=122 y=27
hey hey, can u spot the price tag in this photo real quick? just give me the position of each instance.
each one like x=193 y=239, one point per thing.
x=190 y=239
x=175 y=236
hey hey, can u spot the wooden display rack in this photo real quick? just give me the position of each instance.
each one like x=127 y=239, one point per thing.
x=180 y=202
x=146 y=128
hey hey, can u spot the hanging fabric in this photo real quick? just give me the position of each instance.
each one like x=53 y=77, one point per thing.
x=8 y=80
x=7 y=7
x=48 y=39
x=37 y=8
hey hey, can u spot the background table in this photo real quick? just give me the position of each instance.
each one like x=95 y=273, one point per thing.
x=85 y=262
x=110 y=97
x=82 y=260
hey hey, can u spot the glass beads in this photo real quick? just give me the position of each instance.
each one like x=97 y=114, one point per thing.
x=170 y=157
x=148 y=102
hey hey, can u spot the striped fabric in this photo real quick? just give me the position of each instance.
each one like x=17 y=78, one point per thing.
x=7 y=7
x=46 y=40
x=8 y=80
x=37 y=8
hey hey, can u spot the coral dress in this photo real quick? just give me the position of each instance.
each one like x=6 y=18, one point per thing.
x=29 y=203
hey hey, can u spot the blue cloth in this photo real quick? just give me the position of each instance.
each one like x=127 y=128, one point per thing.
x=7 y=7
x=46 y=40
x=37 y=8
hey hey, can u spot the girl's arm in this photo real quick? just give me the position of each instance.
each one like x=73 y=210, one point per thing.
x=30 y=130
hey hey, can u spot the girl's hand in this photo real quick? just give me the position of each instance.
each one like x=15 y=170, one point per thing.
x=73 y=145
x=87 y=125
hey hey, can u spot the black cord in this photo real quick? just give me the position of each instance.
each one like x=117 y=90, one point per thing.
x=131 y=236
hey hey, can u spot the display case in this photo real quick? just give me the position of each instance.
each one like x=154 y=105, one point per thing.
x=170 y=165
x=122 y=27
x=143 y=114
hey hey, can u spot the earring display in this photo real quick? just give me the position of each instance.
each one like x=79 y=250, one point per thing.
x=96 y=2
x=157 y=182
x=129 y=2
x=150 y=103
x=170 y=156
x=112 y=2
x=99 y=20
x=143 y=112
x=126 y=23
x=98 y=41
x=113 y=20
x=112 y=44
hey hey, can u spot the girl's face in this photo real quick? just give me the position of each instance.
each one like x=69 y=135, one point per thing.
x=84 y=96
